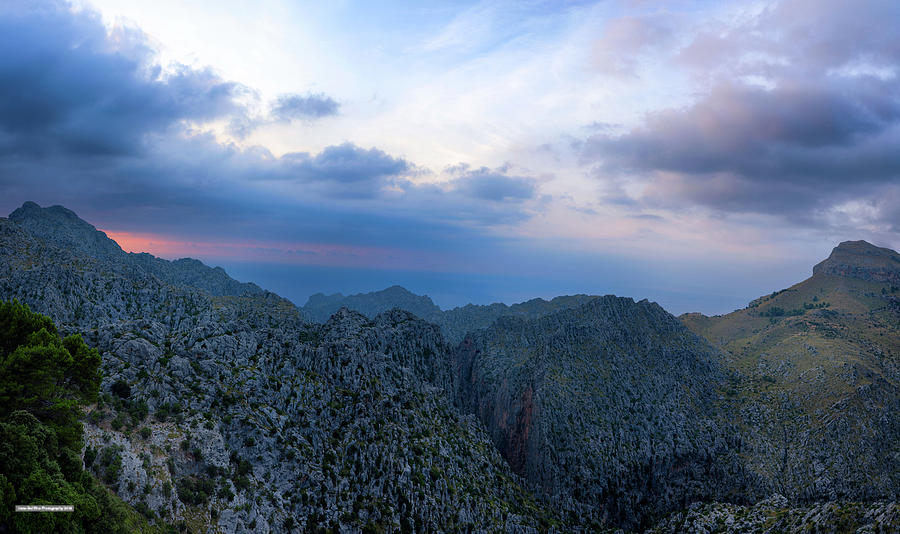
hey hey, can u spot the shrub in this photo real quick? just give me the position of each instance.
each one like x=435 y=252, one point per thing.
x=109 y=464
x=117 y=423
x=90 y=454
x=244 y=467
x=225 y=493
x=138 y=410
x=195 y=491
x=121 y=389
x=241 y=482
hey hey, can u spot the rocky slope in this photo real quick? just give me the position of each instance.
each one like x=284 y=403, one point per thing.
x=609 y=409
x=774 y=516
x=223 y=410
x=229 y=413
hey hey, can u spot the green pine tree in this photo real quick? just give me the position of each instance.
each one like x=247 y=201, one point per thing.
x=44 y=381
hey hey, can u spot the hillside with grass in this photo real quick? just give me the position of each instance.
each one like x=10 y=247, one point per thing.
x=817 y=377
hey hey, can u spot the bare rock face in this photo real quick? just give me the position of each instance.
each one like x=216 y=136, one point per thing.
x=859 y=259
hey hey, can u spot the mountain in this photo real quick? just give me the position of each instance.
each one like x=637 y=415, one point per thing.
x=320 y=307
x=66 y=230
x=817 y=377
x=858 y=259
x=61 y=227
x=229 y=413
x=609 y=408
x=454 y=323
x=222 y=409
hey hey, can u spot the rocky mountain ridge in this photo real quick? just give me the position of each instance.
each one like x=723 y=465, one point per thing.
x=229 y=413
x=455 y=323
x=320 y=307
x=225 y=411
x=63 y=228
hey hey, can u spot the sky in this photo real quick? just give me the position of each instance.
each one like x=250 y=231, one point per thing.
x=699 y=154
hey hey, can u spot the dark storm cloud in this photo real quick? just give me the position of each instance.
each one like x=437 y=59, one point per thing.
x=200 y=189
x=297 y=107
x=65 y=86
x=81 y=106
x=803 y=117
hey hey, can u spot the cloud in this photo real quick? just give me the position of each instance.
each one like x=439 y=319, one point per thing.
x=70 y=87
x=472 y=27
x=291 y=107
x=285 y=109
x=797 y=38
x=752 y=131
x=88 y=107
x=346 y=170
x=493 y=185
x=800 y=118
x=90 y=121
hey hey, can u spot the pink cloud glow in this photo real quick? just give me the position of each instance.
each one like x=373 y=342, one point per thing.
x=299 y=253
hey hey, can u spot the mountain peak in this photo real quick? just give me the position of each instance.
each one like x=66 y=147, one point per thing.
x=64 y=228
x=862 y=247
x=861 y=259
x=320 y=306
x=32 y=210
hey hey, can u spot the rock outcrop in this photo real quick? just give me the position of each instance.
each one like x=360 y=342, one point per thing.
x=859 y=259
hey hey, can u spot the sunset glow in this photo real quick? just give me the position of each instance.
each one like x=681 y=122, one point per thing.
x=276 y=252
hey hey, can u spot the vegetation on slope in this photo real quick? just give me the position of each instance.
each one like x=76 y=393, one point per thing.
x=607 y=409
x=774 y=516
x=227 y=412
x=44 y=381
